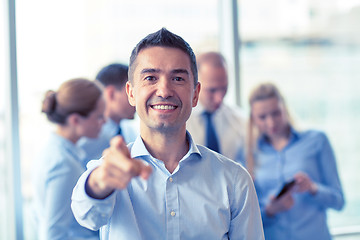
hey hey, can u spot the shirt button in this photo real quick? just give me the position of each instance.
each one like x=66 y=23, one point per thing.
x=171 y=179
x=172 y=213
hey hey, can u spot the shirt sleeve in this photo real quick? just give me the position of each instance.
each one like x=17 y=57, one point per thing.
x=245 y=213
x=329 y=194
x=89 y=212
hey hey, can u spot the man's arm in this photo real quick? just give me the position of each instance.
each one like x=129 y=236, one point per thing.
x=246 y=221
x=92 y=199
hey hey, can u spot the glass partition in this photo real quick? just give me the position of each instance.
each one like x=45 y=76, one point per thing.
x=10 y=195
x=4 y=180
x=311 y=50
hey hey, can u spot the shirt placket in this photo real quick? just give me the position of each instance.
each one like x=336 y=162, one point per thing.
x=172 y=209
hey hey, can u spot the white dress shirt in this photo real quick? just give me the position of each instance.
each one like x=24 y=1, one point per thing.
x=230 y=127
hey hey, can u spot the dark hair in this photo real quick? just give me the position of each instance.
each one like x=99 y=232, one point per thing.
x=115 y=74
x=73 y=96
x=163 y=38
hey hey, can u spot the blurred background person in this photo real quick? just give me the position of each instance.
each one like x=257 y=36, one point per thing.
x=278 y=153
x=77 y=109
x=118 y=112
x=213 y=123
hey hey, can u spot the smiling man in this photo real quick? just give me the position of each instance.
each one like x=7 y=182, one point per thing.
x=164 y=186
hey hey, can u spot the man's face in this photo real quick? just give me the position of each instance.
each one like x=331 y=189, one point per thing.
x=117 y=104
x=162 y=89
x=122 y=107
x=214 y=84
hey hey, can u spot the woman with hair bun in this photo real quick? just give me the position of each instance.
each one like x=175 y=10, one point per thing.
x=277 y=153
x=76 y=109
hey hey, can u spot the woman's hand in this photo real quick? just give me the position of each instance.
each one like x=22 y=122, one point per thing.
x=304 y=183
x=277 y=205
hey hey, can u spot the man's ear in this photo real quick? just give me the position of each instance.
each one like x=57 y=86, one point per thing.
x=130 y=93
x=109 y=92
x=196 y=94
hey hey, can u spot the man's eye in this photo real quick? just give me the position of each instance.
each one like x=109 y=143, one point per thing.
x=262 y=117
x=150 y=78
x=178 y=79
x=212 y=90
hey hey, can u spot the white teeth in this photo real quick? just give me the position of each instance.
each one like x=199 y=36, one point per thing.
x=163 y=107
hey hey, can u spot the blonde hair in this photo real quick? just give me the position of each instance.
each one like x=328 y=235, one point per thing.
x=261 y=92
x=73 y=96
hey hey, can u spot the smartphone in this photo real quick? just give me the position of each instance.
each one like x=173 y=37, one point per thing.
x=287 y=186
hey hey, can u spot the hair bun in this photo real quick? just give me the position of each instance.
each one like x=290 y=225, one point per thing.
x=49 y=102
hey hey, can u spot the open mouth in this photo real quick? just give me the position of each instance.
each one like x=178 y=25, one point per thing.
x=163 y=107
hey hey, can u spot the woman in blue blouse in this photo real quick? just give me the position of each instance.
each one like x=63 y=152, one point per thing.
x=277 y=153
x=77 y=110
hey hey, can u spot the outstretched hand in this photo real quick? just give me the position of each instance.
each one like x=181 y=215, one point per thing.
x=116 y=170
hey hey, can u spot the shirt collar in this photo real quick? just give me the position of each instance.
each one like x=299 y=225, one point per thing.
x=138 y=148
x=199 y=110
x=294 y=136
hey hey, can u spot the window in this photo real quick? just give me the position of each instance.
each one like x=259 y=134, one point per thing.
x=10 y=199
x=311 y=50
x=4 y=180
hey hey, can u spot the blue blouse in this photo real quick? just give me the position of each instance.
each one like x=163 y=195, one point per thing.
x=54 y=176
x=311 y=153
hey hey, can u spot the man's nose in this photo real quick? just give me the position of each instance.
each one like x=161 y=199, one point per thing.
x=164 y=88
x=219 y=97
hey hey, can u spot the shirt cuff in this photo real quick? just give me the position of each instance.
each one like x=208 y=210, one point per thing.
x=86 y=208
